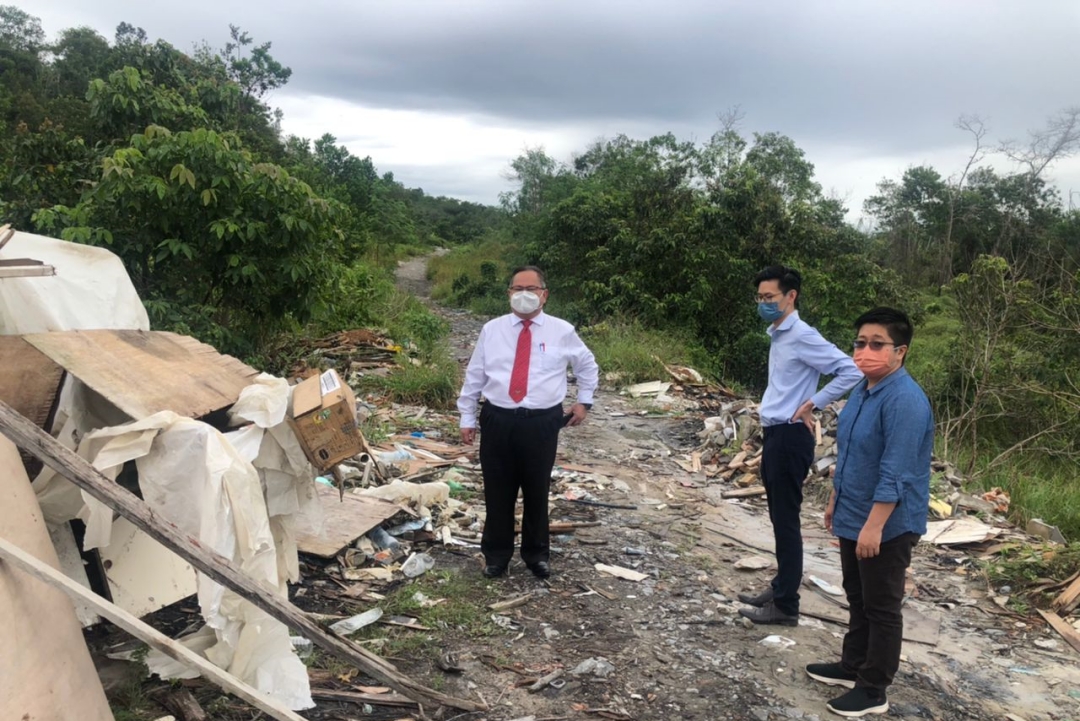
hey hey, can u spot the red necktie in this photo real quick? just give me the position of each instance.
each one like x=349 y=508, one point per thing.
x=519 y=377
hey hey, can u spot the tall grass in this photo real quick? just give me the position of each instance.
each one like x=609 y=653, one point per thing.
x=627 y=352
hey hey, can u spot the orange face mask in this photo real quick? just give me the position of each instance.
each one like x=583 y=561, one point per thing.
x=873 y=364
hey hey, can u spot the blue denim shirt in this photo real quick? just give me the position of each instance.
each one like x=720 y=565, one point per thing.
x=798 y=357
x=885 y=436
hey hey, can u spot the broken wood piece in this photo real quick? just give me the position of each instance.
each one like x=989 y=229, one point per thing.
x=746 y=480
x=27 y=270
x=183 y=703
x=511 y=603
x=544 y=681
x=1067 y=632
x=79 y=471
x=737 y=461
x=620 y=572
x=695 y=462
x=601 y=504
x=1069 y=598
x=744 y=492
x=31 y=565
x=6 y=234
x=375 y=699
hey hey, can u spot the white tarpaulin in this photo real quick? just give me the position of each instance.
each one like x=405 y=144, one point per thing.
x=190 y=474
x=90 y=290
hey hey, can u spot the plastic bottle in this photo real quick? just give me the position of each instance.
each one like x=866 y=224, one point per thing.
x=382 y=539
x=417 y=564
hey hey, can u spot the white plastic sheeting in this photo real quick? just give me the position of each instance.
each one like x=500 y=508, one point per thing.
x=192 y=475
x=90 y=290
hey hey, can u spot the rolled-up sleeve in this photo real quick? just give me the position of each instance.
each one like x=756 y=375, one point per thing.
x=475 y=377
x=585 y=368
x=904 y=422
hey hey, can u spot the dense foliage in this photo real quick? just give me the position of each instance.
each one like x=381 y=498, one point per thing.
x=175 y=161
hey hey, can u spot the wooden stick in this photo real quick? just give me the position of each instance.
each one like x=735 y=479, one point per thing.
x=744 y=492
x=35 y=441
x=40 y=570
x=27 y=271
x=1069 y=598
x=543 y=682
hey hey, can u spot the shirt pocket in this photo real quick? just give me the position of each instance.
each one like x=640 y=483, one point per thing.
x=553 y=359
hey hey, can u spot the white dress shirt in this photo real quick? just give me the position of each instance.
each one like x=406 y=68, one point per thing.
x=555 y=344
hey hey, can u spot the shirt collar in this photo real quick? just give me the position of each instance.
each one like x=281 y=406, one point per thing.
x=538 y=320
x=786 y=325
x=899 y=373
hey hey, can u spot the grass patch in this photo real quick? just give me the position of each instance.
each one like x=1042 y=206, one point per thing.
x=463 y=615
x=473 y=276
x=627 y=352
x=1040 y=486
x=434 y=382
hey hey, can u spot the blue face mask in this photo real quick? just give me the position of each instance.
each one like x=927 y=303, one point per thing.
x=769 y=312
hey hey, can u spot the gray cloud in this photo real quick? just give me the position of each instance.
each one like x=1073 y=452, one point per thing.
x=879 y=78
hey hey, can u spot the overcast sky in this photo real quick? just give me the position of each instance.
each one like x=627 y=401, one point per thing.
x=445 y=94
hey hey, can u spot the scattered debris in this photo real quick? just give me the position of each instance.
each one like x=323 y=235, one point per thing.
x=753 y=563
x=774 y=641
x=598 y=666
x=1037 y=527
x=357 y=622
x=958 y=532
x=620 y=572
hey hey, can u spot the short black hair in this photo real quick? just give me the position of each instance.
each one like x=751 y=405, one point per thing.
x=896 y=323
x=534 y=269
x=788 y=278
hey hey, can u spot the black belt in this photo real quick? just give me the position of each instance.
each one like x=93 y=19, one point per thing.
x=522 y=412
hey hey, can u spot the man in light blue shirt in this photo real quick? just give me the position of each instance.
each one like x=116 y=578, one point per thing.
x=798 y=357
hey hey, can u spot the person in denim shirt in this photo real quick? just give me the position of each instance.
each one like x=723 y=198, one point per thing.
x=878 y=509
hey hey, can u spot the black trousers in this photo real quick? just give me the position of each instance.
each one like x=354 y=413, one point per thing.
x=517 y=451
x=875 y=593
x=785 y=461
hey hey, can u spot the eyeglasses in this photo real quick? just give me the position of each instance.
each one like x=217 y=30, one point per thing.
x=529 y=288
x=874 y=345
x=768 y=298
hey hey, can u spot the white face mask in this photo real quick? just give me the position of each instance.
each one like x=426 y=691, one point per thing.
x=524 y=302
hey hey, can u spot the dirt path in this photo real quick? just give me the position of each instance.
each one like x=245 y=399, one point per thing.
x=675 y=644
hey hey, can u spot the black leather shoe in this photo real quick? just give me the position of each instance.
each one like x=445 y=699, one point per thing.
x=770 y=614
x=759 y=600
x=540 y=569
x=494 y=571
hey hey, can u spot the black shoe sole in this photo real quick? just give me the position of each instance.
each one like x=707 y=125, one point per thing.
x=494 y=574
x=773 y=622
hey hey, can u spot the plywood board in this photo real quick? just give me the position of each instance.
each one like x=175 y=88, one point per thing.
x=29 y=381
x=145 y=372
x=47 y=670
x=345 y=520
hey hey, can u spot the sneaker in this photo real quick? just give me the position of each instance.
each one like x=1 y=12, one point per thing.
x=831 y=673
x=759 y=600
x=858 y=702
x=770 y=614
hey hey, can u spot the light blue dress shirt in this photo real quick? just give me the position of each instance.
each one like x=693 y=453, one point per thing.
x=798 y=357
x=885 y=436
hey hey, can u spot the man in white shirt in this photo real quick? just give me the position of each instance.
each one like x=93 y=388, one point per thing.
x=519 y=367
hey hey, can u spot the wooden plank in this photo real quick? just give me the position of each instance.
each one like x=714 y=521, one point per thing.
x=744 y=492
x=145 y=372
x=1064 y=630
x=27 y=271
x=1069 y=598
x=27 y=563
x=344 y=520
x=6 y=234
x=9 y=262
x=376 y=699
x=77 y=470
x=29 y=381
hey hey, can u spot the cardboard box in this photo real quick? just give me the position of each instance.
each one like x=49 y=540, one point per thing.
x=324 y=418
